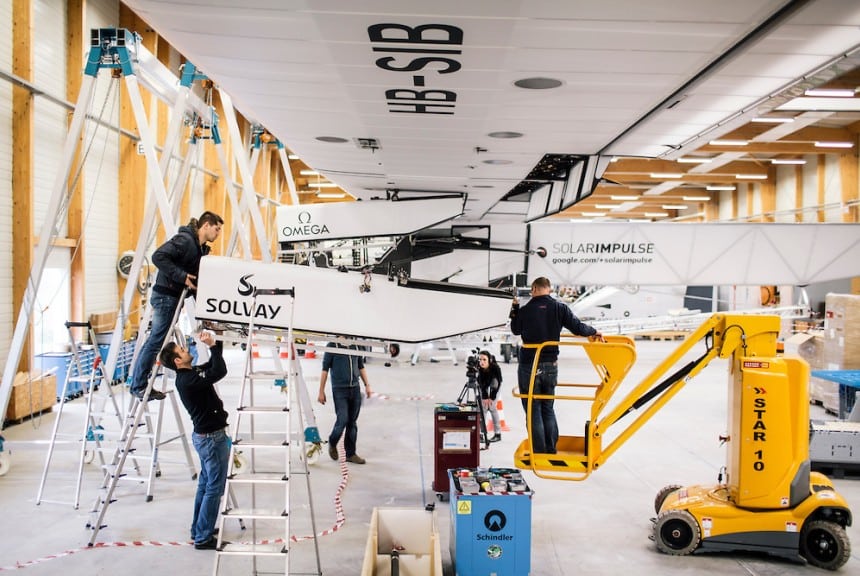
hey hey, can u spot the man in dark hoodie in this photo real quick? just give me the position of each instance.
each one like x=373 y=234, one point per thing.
x=196 y=387
x=178 y=262
x=541 y=320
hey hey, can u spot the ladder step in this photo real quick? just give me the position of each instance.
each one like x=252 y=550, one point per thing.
x=259 y=478
x=262 y=409
x=253 y=549
x=261 y=374
x=256 y=513
x=261 y=442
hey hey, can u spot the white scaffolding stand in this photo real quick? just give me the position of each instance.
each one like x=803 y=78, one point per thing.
x=120 y=49
x=268 y=453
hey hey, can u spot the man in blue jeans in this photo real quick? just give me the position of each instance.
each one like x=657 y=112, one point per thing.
x=178 y=262
x=345 y=392
x=196 y=387
x=541 y=320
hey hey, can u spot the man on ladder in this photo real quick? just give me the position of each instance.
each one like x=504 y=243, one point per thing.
x=196 y=387
x=178 y=263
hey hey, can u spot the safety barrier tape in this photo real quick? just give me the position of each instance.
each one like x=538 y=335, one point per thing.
x=340 y=517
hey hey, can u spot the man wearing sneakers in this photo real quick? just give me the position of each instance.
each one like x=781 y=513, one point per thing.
x=178 y=262
x=346 y=394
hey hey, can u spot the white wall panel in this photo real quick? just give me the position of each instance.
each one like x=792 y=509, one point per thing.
x=101 y=169
x=7 y=314
x=810 y=188
x=786 y=184
x=832 y=188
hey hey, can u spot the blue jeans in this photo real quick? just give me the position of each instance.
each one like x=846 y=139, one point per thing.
x=544 y=424
x=214 y=452
x=163 y=308
x=347 y=405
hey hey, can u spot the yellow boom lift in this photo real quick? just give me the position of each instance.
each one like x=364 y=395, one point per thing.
x=770 y=500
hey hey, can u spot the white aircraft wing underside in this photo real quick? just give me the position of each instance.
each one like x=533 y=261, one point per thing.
x=331 y=302
x=430 y=82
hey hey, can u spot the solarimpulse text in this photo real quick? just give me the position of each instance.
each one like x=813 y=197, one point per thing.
x=602 y=253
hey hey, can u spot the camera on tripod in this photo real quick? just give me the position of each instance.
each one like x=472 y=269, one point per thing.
x=472 y=365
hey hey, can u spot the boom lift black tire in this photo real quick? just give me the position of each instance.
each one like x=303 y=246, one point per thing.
x=677 y=533
x=663 y=494
x=825 y=544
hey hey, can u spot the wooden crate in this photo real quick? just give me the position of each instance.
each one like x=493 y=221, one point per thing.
x=31 y=396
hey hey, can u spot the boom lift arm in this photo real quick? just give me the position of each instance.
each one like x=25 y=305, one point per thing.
x=770 y=501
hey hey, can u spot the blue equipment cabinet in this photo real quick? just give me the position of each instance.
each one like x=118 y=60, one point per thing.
x=491 y=517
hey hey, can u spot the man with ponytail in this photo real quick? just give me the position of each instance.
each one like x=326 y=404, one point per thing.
x=178 y=262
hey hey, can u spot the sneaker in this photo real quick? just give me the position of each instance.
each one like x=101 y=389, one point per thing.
x=153 y=395
x=210 y=544
x=332 y=451
x=356 y=459
x=496 y=438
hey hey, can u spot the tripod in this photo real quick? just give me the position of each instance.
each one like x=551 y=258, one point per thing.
x=470 y=395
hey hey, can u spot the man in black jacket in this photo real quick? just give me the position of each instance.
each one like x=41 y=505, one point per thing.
x=541 y=320
x=178 y=262
x=196 y=387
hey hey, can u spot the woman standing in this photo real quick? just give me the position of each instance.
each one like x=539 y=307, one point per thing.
x=490 y=380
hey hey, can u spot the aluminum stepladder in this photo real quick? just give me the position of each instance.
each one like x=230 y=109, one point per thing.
x=137 y=416
x=266 y=478
x=90 y=436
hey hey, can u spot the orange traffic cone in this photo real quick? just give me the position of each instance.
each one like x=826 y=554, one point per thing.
x=284 y=351
x=255 y=353
x=502 y=424
x=310 y=352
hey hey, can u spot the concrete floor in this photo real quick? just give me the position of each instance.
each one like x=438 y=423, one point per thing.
x=599 y=526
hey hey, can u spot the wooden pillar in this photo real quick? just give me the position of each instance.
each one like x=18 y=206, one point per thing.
x=214 y=189
x=22 y=161
x=850 y=186
x=132 y=166
x=76 y=37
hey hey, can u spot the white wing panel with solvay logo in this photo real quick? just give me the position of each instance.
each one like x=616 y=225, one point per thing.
x=332 y=302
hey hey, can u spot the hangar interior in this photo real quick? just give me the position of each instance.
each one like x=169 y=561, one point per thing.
x=412 y=168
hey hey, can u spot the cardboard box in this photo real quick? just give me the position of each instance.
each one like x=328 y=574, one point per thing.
x=410 y=531
x=31 y=396
x=103 y=321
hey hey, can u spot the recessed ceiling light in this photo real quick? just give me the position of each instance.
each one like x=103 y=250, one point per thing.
x=309 y=173
x=322 y=185
x=498 y=161
x=674 y=206
x=656 y=214
x=606 y=206
x=721 y=187
x=834 y=144
x=728 y=142
x=772 y=120
x=505 y=134
x=830 y=92
x=661 y=175
x=332 y=139
x=693 y=160
x=593 y=214
x=751 y=176
x=696 y=198
x=538 y=83
x=292 y=157
x=331 y=195
x=787 y=161
x=624 y=197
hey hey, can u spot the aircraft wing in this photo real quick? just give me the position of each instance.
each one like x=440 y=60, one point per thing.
x=501 y=98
